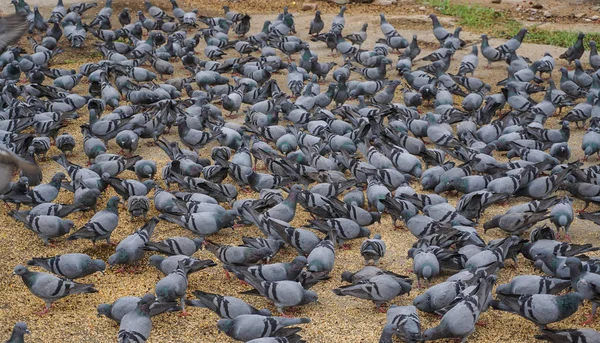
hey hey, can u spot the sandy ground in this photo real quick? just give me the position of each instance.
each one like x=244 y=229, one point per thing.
x=335 y=319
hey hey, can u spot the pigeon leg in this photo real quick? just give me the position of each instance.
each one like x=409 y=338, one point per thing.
x=589 y=320
x=345 y=246
x=227 y=276
x=46 y=309
x=381 y=307
x=183 y=313
x=121 y=270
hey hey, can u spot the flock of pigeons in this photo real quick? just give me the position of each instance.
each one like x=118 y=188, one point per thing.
x=345 y=164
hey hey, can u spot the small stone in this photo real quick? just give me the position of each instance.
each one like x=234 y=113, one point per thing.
x=537 y=6
x=579 y=15
x=309 y=6
x=533 y=11
x=596 y=8
x=496 y=1
x=531 y=19
x=382 y=2
x=595 y=18
x=587 y=20
x=547 y=14
x=422 y=8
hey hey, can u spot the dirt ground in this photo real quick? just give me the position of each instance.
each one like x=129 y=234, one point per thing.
x=335 y=319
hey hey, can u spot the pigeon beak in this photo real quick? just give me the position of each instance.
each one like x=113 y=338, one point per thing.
x=27 y=331
x=13 y=273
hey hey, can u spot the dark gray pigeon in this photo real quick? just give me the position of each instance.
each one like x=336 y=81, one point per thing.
x=18 y=333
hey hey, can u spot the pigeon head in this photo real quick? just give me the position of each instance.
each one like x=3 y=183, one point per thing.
x=347 y=276
x=103 y=310
x=146 y=301
x=21 y=328
x=118 y=257
x=310 y=297
x=98 y=265
x=20 y=270
x=423 y=302
x=156 y=260
x=225 y=325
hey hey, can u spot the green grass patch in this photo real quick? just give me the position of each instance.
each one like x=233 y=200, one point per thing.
x=480 y=19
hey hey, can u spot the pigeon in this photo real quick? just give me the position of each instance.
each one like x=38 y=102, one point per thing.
x=575 y=51
x=9 y=160
x=541 y=309
x=130 y=250
x=101 y=225
x=379 y=289
x=316 y=25
x=120 y=307
x=405 y=322
x=45 y=226
x=18 y=333
x=173 y=286
x=168 y=264
x=225 y=307
x=69 y=266
x=569 y=335
x=284 y=293
x=247 y=327
x=50 y=288
x=373 y=249
x=136 y=324
x=175 y=246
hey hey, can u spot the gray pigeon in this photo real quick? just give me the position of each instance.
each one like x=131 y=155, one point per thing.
x=406 y=323
x=69 y=266
x=138 y=206
x=425 y=264
x=322 y=257
x=46 y=227
x=173 y=286
x=459 y=321
x=176 y=246
x=532 y=284
x=562 y=215
x=136 y=325
x=50 y=288
x=282 y=293
x=514 y=223
x=168 y=264
x=130 y=250
x=569 y=335
x=101 y=225
x=373 y=249
x=379 y=289
x=541 y=309
x=118 y=309
x=225 y=306
x=251 y=326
